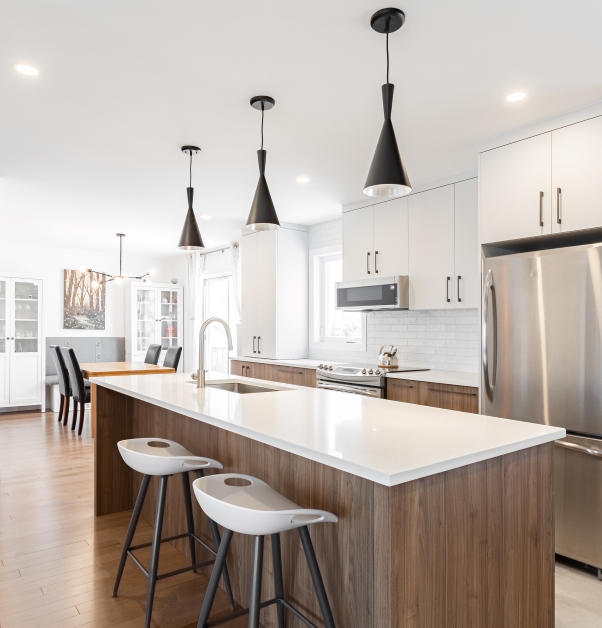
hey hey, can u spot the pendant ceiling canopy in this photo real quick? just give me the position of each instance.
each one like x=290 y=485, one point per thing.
x=262 y=216
x=191 y=240
x=387 y=176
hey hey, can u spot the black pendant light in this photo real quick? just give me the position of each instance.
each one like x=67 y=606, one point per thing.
x=262 y=216
x=191 y=240
x=387 y=177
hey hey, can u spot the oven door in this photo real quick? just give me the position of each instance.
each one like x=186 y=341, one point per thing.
x=356 y=389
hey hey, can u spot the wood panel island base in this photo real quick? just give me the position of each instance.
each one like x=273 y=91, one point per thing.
x=468 y=547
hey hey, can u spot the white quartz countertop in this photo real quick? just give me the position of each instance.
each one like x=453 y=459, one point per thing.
x=387 y=442
x=301 y=363
x=440 y=377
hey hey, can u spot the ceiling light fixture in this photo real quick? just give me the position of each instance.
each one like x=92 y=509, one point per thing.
x=121 y=276
x=516 y=96
x=262 y=216
x=191 y=240
x=23 y=68
x=302 y=179
x=387 y=176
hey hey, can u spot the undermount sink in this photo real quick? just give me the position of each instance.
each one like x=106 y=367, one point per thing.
x=241 y=388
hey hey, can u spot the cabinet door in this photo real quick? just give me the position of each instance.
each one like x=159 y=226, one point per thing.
x=432 y=249
x=391 y=238
x=288 y=375
x=5 y=341
x=462 y=398
x=512 y=180
x=404 y=390
x=576 y=180
x=467 y=288
x=267 y=260
x=358 y=244
x=25 y=354
x=146 y=319
x=168 y=307
x=249 y=294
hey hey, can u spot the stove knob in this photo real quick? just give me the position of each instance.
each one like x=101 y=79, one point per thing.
x=363 y=371
x=321 y=366
x=370 y=372
x=377 y=372
x=330 y=368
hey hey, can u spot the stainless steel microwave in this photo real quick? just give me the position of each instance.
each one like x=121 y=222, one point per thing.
x=366 y=295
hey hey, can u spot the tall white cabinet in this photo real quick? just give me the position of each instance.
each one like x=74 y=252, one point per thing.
x=21 y=342
x=153 y=315
x=274 y=294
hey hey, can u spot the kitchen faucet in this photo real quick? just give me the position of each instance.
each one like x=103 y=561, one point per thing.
x=200 y=377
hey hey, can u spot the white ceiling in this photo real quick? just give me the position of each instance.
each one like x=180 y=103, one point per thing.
x=91 y=146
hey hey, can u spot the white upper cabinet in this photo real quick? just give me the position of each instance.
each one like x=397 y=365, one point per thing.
x=431 y=262
x=515 y=190
x=375 y=241
x=576 y=178
x=248 y=265
x=466 y=244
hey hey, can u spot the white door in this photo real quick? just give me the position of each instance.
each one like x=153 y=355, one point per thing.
x=432 y=249
x=5 y=342
x=358 y=244
x=467 y=286
x=26 y=350
x=515 y=190
x=391 y=238
x=248 y=265
x=576 y=180
x=267 y=266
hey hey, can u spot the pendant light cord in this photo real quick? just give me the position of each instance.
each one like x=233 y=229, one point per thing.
x=190 y=169
x=262 y=106
x=387 y=51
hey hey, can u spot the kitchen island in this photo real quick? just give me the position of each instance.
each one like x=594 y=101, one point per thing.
x=445 y=518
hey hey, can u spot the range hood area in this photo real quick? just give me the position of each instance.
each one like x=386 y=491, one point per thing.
x=369 y=295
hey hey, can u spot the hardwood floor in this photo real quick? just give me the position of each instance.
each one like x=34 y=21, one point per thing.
x=57 y=561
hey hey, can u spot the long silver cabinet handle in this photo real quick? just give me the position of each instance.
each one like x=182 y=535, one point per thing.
x=581 y=448
x=368 y=263
x=541 y=209
x=558 y=197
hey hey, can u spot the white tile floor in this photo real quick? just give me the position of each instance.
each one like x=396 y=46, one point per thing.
x=578 y=598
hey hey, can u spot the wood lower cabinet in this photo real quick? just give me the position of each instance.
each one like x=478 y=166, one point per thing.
x=461 y=398
x=274 y=373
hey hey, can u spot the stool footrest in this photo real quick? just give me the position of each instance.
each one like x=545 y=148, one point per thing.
x=245 y=611
x=173 y=538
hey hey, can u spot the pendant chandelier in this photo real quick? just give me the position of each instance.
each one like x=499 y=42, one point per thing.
x=190 y=240
x=262 y=216
x=120 y=277
x=387 y=176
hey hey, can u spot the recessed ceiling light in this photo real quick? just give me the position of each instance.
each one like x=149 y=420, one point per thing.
x=205 y=217
x=516 y=96
x=25 y=69
x=302 y=179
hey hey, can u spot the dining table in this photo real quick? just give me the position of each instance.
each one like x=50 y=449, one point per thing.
x=104 y=369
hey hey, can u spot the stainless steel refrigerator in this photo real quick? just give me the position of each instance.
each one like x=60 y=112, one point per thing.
x=542 y=363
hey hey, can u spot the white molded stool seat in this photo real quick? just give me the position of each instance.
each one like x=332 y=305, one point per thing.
x=158 y=456
x=254 y=509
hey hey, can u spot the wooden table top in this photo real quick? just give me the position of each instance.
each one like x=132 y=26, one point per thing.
x=99 y=369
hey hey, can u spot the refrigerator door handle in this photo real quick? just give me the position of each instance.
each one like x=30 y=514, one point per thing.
x=581 y=448
x=489 y=378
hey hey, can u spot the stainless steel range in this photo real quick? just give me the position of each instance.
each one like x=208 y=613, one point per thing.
x=359 y=379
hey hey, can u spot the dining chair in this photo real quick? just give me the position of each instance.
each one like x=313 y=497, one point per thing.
x=152 y=354
x=63 y=382
x=172 y=357
x=81 y=393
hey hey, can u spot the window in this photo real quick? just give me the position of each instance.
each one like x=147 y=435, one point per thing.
x=219 y=301
x=329 y=327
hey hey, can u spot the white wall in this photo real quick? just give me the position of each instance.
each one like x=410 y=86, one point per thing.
x=49 y=263
x=446 y=340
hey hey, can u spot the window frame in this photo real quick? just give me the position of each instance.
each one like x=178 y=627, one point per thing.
x=233 y=330
x=316 y=306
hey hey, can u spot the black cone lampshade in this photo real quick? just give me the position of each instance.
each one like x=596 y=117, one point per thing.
x=190 y=240
x=262 y=216
x=387 y=177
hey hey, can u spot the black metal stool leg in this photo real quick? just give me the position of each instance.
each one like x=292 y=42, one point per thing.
x=255 y=598
x=131 y=529
x=278 y=581
x=218 y=566
x=316 y=577
x=189 y=517
x=156 y=546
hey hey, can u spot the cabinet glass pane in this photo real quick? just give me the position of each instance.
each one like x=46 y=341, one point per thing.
x=145 y=318
x=169 y=319
x=2 y=316
x=26 y=317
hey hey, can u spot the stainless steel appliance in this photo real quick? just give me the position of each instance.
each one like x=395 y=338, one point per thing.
x=542 y=362
x=366 y=295
x=359 y=379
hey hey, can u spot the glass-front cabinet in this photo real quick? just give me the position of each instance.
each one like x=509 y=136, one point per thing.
x=153 y=316
x=20 y=342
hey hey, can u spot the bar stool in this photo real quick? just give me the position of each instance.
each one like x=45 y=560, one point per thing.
x=244 y=504
x=161 y=457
